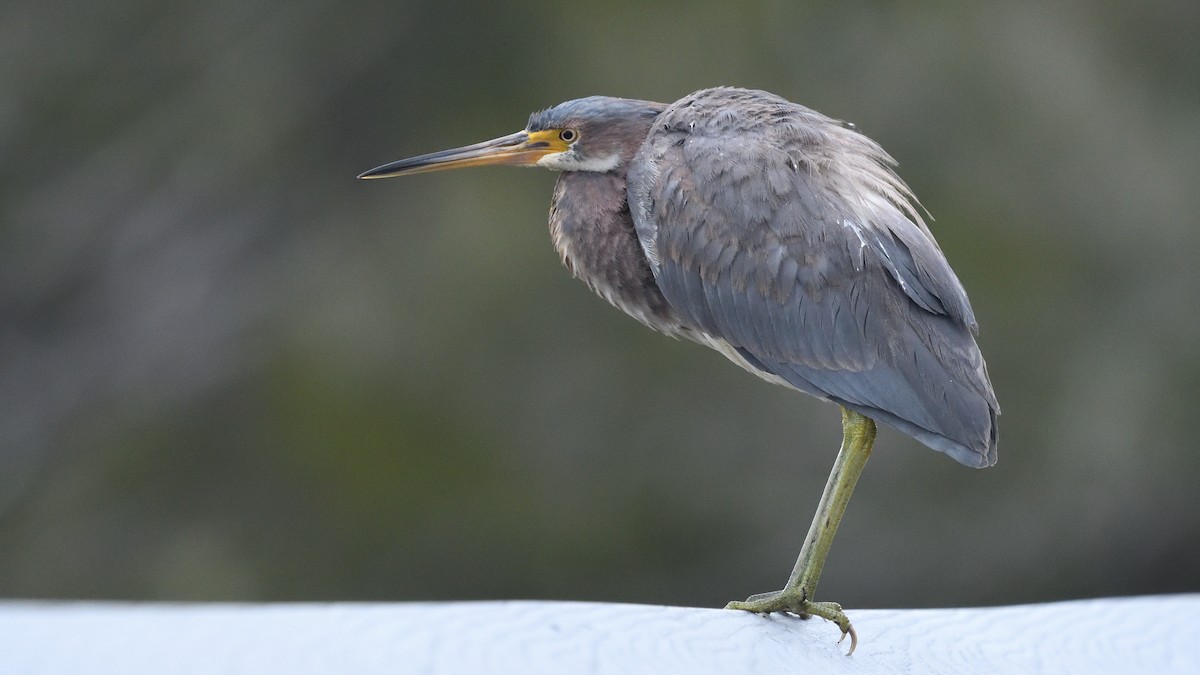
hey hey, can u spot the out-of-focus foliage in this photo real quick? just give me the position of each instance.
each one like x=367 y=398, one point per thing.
x=228 y=370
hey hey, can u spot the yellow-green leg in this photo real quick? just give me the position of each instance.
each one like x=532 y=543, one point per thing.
x=858 y=435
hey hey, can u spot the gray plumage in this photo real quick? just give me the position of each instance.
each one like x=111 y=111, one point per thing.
x=783 y=239
x=765 y=230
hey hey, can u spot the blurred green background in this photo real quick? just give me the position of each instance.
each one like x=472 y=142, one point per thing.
x=228 y=370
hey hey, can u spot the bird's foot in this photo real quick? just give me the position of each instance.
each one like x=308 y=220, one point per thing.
x=793 y=601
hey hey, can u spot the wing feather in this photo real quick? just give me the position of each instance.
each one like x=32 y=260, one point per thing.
x=843 y=293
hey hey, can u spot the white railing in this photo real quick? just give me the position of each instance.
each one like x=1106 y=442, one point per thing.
x=1121 y=635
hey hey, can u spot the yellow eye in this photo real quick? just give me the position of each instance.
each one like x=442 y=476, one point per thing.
x=568 y=135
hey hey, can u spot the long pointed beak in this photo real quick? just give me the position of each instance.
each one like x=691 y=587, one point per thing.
x=519 y=149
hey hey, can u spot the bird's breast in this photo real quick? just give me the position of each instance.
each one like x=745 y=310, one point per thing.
x=593 y=233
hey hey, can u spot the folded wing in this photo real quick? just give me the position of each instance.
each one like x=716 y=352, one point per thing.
x=779 y=232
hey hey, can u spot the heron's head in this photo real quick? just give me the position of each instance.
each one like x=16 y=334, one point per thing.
x=597 y=133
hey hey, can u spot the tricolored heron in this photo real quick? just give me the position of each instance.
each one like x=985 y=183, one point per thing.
x=784 y=240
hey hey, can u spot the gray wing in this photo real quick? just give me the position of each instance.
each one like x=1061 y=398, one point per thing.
x=809 y=266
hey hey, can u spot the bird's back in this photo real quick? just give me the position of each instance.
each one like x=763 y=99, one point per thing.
x=785 y=237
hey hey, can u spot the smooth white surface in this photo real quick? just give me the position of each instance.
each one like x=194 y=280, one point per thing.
x=1124 y=635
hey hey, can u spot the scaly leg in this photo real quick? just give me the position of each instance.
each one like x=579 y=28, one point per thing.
x=858 y=435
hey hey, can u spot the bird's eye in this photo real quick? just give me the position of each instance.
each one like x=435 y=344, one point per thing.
x=568 y=135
